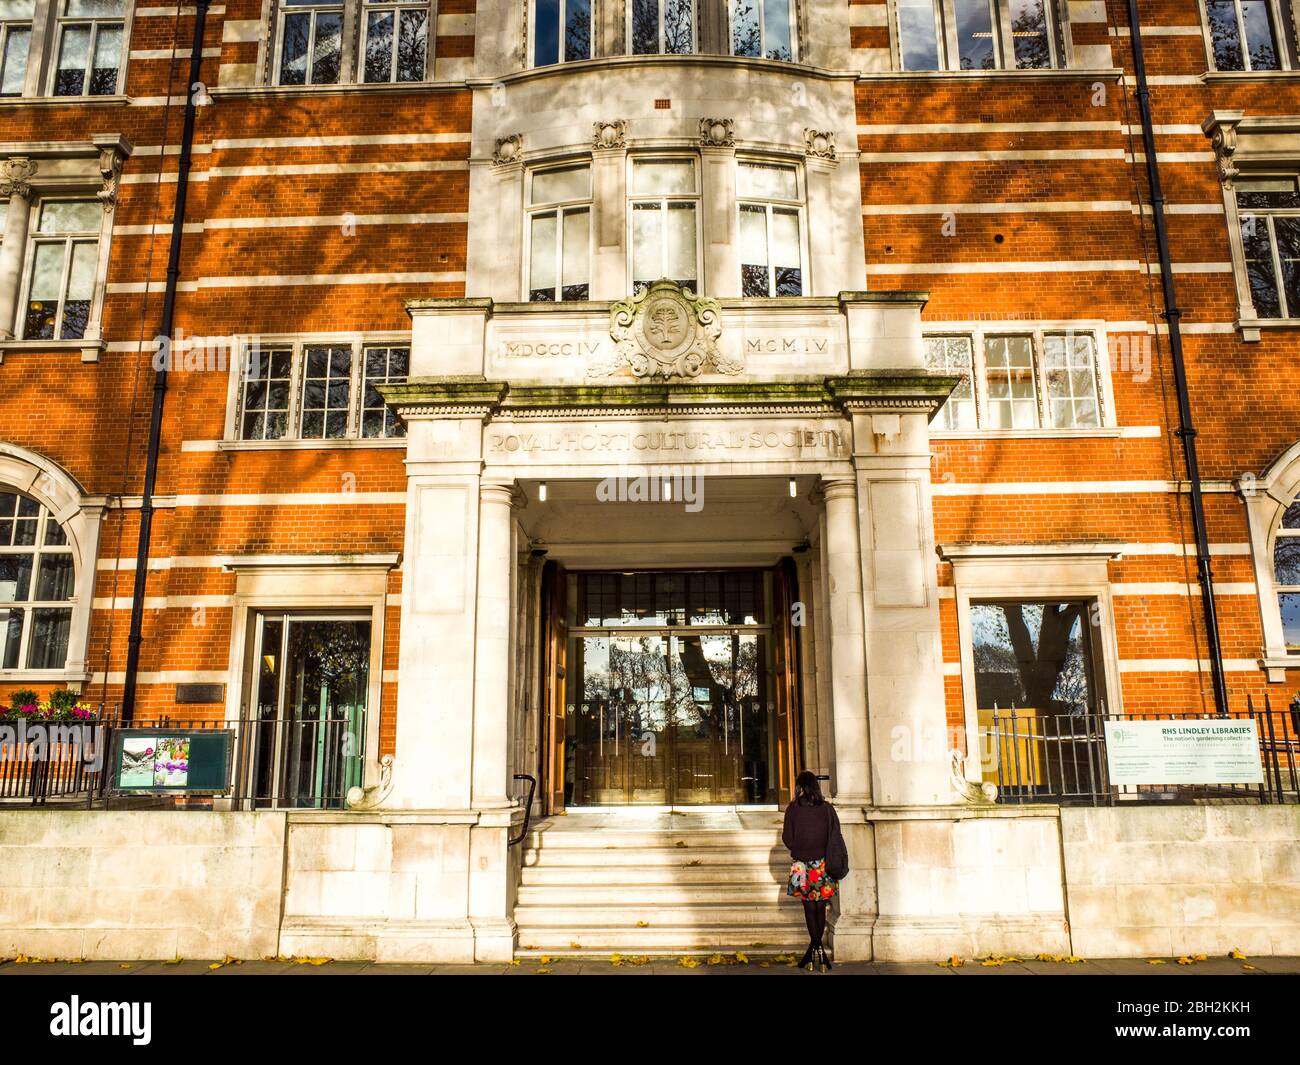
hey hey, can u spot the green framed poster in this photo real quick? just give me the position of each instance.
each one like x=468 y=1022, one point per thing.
x=159 y=761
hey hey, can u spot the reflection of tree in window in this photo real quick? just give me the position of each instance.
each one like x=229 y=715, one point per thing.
x=1032 y=655
x=1029 y=34
x=1286 y=575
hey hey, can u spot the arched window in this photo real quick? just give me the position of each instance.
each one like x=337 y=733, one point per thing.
x=1286 y=575
x=37 y=585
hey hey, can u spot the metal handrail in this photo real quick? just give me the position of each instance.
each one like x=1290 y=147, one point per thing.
x=528 y=806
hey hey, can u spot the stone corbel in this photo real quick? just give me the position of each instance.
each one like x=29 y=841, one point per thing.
x=609 y=134
x=372 y=795
x=717 y=133
x=16 y=175
x=110 y=171
x=1221 y=128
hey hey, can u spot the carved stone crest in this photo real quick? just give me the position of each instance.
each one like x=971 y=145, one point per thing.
x=667 y=331
x=15 y=177
x=717 y=133
x=610 y=134
x=819 y=144
x=509 y=149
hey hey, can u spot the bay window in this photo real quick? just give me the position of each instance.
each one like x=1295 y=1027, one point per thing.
x=63 y=257
x=90 y=35
x=1286 y=575
x=559 y=234
x=37 y=585
x=763 y=28
x=664 y=27
x=561 y=31
x=771 y=244
x=978 y=34
x=1019 y=381
x=310 y=40
x=664 y=223
x=395 y=41
x=318 y=391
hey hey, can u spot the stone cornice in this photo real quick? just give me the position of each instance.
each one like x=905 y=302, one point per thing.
x=877 y=390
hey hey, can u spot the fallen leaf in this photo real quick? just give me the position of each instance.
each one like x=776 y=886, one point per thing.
x=680 y=843
x=643 y=924
x=1249 y=968
x=717 y=959
x=741 y=958
x=689 y=962
x=575 y=946
x=124 y=965
x=954 y=962
x=1235 y=953
x=698 y=861
x=545 y=960
x=542 y=972
x=1155 y=961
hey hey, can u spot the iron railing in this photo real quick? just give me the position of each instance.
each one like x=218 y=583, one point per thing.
x=293 y=764
x=1061 y=758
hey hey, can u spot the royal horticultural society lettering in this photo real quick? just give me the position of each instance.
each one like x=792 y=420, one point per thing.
x=826 y=440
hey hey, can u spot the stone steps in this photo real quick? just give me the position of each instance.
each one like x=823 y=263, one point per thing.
x=650 y=891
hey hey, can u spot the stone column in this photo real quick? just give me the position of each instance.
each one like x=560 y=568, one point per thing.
x=492 y=665
x=852 y=774
x=721 y=266
x=609 y=268
x=14 y=177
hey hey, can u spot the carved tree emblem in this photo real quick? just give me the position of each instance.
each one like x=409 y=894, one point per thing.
x=667 y=331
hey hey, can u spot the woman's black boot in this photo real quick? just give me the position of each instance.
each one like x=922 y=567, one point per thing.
x=807 y=960
x=825 y=961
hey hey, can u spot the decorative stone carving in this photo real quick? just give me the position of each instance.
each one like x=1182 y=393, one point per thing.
x=963 y=790
x=508 y=150
x=369 y=796
x=110 y=170
x=610 y=134
x=15 y=177
x=716 y=133
x=667 y=331
x=1223 y=139
x=819 y=144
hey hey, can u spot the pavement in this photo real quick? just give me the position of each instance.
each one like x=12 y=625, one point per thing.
x=616 y=965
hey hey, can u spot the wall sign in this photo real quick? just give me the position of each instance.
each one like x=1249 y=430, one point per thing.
x=1183 y=752
x=172 y=761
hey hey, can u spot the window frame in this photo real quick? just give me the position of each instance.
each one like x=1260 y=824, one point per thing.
x=762 y=31
x=1283 y=34
x=1039 y=331
x=1057 y=23
x=530 y=45
x=297 y=346
x=630 y=6
x=30 y=605
x=799 y=205
x=696 y=199
x=1246 y=295
x=1282 y=533
x=347 y=28
x=58 y=23
x=364 y=7
x=69 y=240
x=7 y=26
x=561 y=209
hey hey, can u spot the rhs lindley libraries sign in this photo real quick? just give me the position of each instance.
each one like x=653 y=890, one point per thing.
x=1203 y=751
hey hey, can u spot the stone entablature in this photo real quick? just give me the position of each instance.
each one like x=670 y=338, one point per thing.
x=745 y=340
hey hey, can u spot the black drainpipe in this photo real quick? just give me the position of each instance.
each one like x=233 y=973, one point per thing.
x=193 y=89
x=1186 y=431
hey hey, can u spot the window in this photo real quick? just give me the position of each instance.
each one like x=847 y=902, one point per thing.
x=382 y=366
x=559 y=234
x=37 y=586
x=64 y=254
x=1286 y=575
x=665 y=205
x=89 y=47
x=395 y=42
x=952 y=355
x=561 y=31
x=771 y=246
x=1033 y=655
x=1268 y=210
x=319 y=391
x=1243 y=35
x=762 y=28
x=15 y=44
x=978 y=34
x=662 y=26
x=310 y=42
x=1019 y=381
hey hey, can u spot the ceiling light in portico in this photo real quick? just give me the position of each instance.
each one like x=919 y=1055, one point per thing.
x=794 y=488
x=541 y=491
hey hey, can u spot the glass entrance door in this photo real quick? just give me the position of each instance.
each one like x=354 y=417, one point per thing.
x=675 y=704
x=313 y=678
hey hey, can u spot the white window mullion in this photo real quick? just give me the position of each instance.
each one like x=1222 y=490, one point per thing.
x=1278 y=282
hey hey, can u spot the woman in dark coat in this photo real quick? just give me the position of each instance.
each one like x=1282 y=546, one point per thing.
x=808 y=822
